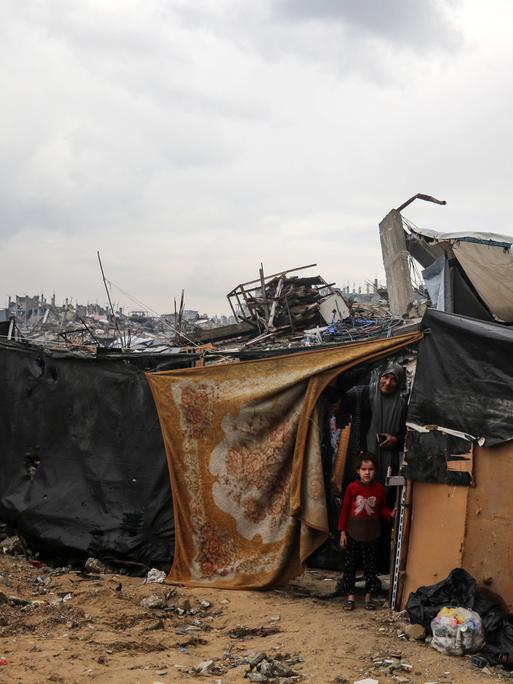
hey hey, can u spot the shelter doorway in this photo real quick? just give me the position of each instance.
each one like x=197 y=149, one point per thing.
x=343 y=430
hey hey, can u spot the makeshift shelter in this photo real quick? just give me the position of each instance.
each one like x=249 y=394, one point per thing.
x=82 y=464
x=458 y=508
x=467 y=273
x=242 y=443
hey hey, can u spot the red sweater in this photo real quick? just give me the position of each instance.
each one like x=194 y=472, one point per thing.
x=366 y=504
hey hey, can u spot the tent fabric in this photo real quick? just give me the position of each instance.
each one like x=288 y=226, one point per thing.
x=436 y=278
x=450 y=289
x=243 y=449
x=485 y=259
x=464 y=377
x=83 y=470
x=470 y=236
x=490 y=270
x=466 y=301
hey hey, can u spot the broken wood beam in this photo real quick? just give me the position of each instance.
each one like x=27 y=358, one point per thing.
x=275 y=302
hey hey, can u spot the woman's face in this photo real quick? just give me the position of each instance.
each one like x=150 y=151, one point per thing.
x=387 y=383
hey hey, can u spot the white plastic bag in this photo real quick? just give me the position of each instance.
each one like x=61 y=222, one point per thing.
x=457 y=631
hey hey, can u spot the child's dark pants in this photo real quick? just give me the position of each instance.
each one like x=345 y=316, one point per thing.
x=359 y=554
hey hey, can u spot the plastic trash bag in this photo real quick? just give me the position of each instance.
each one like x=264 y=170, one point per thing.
x=457 y=631
x=459 y=589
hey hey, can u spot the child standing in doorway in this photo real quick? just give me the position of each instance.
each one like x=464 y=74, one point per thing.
x=359 y=525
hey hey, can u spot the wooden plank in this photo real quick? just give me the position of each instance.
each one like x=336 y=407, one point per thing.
x=437 y=534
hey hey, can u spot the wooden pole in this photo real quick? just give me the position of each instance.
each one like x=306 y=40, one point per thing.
x=264 y=296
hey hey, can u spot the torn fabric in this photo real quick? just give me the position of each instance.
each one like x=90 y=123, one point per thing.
x=490 y=269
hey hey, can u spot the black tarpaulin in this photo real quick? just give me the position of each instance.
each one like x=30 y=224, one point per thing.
x=83 y=466
x=464 y=377
x=429 y=456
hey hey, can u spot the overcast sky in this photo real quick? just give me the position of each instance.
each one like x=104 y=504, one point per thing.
x=190 y=140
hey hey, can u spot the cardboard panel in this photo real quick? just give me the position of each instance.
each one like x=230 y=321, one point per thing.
x=436 y=535
x=488 y=548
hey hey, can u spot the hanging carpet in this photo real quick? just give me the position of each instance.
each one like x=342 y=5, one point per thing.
x=244 y=459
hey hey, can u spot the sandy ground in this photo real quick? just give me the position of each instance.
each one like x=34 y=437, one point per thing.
x=81 y=628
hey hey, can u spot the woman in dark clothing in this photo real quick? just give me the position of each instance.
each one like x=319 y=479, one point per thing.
x=385 y=435
x=378 y=419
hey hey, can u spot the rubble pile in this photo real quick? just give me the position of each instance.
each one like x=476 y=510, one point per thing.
x=283 y=310
x=282 y=303
x=263 y=668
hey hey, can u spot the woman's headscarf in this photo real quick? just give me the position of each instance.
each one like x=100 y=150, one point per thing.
x=387 y=409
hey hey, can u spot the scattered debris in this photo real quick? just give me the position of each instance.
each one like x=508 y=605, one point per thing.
x=155 y=576
x=241 y=632
x=96 y=566
x=294 y=311
x=203 y=653
x=13 y=546
x=282 y=301
x=186 y=606
x=16 y=601
x=416 y=632
x=264 y=668
x=479 y=661
x=159 y=624
x=391 y=665
x=153 y=601
x=192 y=641
x=206 y=668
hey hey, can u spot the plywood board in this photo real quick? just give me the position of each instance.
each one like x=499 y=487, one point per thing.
x=488 y=547
x=436 y=535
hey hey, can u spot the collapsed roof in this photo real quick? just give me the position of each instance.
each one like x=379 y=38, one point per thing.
x=486 y=260
x=468 y=273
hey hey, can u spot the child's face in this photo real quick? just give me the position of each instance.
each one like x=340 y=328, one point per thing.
x=367 y=471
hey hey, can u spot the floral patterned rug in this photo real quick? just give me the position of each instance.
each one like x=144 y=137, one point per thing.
x=243 y=449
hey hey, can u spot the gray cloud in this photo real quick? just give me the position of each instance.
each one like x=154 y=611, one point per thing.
x=417 y=25
x=191 y=141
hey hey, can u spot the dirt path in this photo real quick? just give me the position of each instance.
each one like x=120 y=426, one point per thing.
x=80 y=628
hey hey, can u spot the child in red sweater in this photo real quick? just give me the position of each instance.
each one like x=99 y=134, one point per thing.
x=359 y=526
